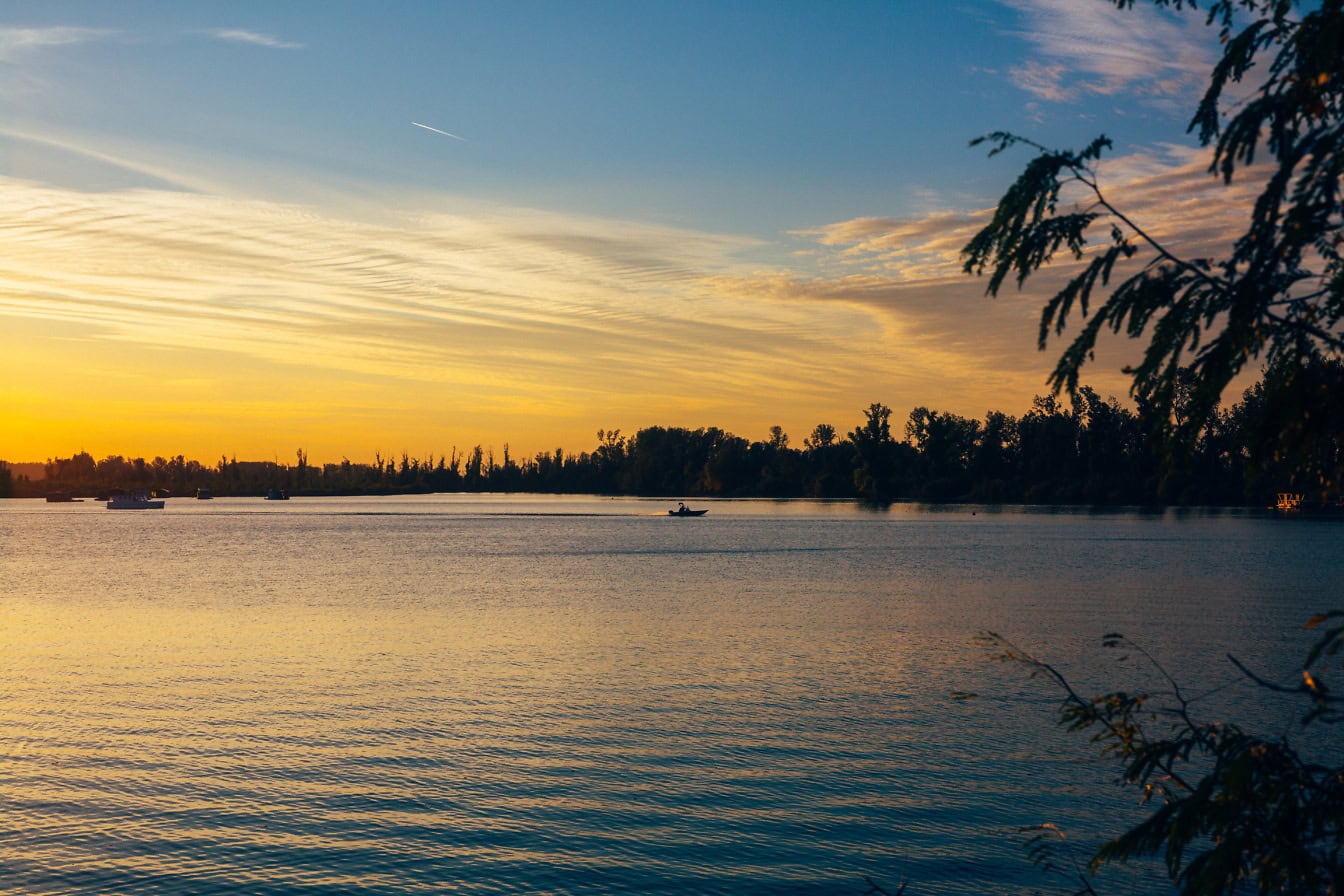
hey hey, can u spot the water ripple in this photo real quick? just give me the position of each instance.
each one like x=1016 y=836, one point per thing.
x=403 y=702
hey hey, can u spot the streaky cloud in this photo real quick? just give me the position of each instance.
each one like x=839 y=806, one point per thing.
x=129 y=160
x=255 y=38
x=1085 y=48
x=512 y=299
x=909 y=270
x=495 y=308
x=1167 y=190
x=14 y=41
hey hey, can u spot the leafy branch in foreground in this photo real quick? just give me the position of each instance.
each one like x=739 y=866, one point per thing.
x=1231 y=811
x=876 y=889
x=1276 y=297
x=1044 y=847
x=1232 y=808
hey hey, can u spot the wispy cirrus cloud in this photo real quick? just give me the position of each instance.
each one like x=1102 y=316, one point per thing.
x=498 y=315
x=1091 y=48
x=131 y=165
x=909 y=271
x=17 y=41
x=255 y=38
x=905 y=248
x=503 y=309
x=1168 y=190
x=1044 y=81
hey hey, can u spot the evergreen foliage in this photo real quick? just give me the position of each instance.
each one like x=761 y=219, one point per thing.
x=1232 y=811
x=1276 y=298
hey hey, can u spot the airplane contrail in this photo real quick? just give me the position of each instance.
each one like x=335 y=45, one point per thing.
x=437 y=131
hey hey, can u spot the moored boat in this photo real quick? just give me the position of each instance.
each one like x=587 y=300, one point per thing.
x=1288 y=502
x=136 y=500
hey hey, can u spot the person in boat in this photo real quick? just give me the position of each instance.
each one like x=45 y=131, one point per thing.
x=682 y=508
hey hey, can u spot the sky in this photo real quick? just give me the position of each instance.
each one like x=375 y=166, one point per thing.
x=352 y=228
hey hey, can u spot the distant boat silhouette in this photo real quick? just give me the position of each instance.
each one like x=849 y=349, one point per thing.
x=136 y=500
x=683 y=510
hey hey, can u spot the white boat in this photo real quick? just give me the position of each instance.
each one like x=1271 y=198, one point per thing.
x=136 y=500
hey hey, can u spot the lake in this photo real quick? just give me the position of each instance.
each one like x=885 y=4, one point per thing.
x=553 y=695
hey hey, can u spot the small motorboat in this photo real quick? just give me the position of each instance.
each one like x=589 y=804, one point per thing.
x=683 y=510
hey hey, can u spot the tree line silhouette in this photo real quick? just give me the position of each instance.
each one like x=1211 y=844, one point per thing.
x=1090 y=451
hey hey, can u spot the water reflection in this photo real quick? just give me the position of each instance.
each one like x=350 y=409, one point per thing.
x=579 y=695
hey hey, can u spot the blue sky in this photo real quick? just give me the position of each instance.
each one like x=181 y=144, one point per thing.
x=225 y=223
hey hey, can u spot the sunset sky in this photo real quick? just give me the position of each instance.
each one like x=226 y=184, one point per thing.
x=351 y=228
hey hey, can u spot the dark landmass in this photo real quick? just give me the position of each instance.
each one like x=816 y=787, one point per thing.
x=1094 y=452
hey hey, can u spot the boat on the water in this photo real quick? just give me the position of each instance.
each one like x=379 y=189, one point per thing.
x=683 y=510
x=277 y=494
x=204 y=494
x=136 y=500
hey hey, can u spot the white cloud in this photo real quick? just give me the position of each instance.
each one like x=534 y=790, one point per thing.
x=1082 y=48
x=15 y=41
x=1044 y=81
x=238 y=35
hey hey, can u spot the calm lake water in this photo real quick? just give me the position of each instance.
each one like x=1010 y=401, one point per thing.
x=489 y=694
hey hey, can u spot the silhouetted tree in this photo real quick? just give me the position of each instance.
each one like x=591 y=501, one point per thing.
x=474 y=475
x=1278 y=293
x=829 y=464
x=997 y=455
x=1297 y=428
x=659 y=461
x=946 y=444
x=609 y=458
x=781 y=469
x=728 y=470
x=1232 y=811
x=878 y=458
x=1113 y=456
x=1048 y=438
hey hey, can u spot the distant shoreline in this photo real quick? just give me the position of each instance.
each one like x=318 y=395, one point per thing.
x=1095 y=453
x=1308 y=509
